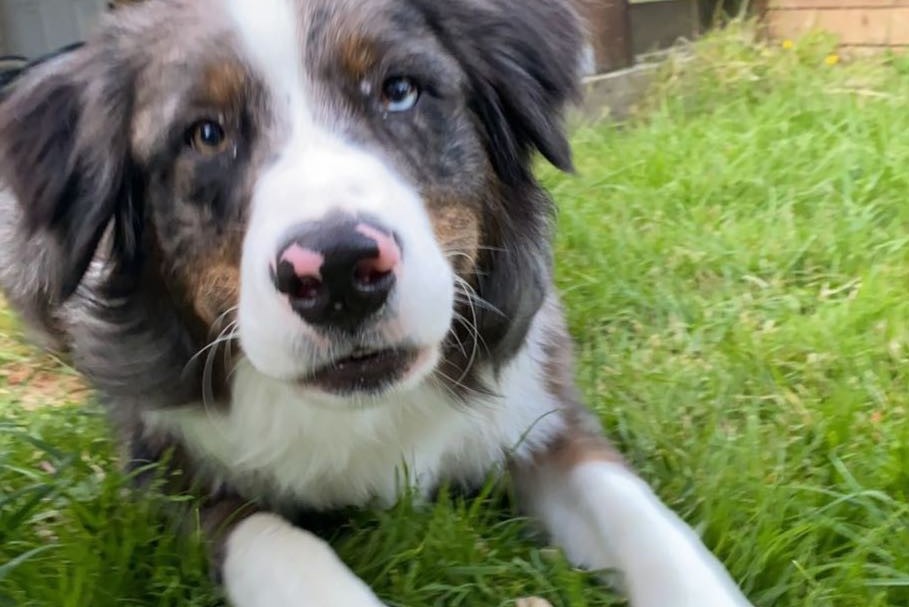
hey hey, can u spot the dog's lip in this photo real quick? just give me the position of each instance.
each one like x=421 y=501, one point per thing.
x=363 y=370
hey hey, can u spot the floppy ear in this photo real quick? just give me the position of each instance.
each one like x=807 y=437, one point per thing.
x=64 y=156
x=523 y=60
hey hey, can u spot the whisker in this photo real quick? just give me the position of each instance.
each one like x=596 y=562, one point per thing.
x=222 y=316
x=452 y=254
x=463 y=321
x=477 y=338
x=455 y=384
x=229 y=343
x=491 y=249
x=213 y=344
x=226 y=336
x=481 y=248
x=471 y=293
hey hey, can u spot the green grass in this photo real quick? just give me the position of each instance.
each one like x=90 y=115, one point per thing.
x=736 y=270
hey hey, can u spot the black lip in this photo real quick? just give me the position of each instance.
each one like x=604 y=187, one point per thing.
x=363 y=373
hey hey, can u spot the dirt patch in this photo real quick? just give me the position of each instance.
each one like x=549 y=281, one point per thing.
x=29 y=377
x=32 y=386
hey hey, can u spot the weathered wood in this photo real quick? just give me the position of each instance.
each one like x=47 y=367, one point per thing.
x=856 y=23
x=609 y=31
x=114 y=4
x=613 y=96
x=833 y=4
x=659 y=25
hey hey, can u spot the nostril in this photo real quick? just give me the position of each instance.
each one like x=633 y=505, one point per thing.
x=375 y=275
x=389 y=253
x=297 y=273
x=308 y=288
x=303 y=262
x=370 y=273
x=296 y=287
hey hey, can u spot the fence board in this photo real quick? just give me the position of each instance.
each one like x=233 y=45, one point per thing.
x=609 y=28
x=659 y=25
x=854 y=26
x=835 y=4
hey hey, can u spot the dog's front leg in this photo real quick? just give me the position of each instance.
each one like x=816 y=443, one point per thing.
x=605 y=517
x=259 y=558
x=267 y=562
x=262 y=560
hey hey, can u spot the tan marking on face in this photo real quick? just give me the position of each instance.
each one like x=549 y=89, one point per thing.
x=213 y=283
x=216 y=291
x=224 y=83
x=457 y=230
x=357 y=56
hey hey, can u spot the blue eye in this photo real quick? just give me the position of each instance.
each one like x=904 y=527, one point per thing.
x=399 y=94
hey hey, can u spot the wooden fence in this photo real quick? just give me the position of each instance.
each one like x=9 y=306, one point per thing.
x=860 y=25
x=620 y=30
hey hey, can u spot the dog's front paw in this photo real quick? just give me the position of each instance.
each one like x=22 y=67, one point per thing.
x=671 y=597
x=695 y=584
x=270 y=563
x=668 y=596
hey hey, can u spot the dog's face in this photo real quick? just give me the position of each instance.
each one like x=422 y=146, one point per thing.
x=348 y=180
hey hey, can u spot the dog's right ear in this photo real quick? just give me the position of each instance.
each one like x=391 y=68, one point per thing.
x=64 y=155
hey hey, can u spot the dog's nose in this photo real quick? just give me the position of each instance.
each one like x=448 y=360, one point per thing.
x=337 y=273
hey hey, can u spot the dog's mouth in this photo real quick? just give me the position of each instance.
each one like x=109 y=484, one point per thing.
x=364 y=370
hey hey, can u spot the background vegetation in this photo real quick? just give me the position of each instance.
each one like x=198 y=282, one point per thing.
x=735 y=265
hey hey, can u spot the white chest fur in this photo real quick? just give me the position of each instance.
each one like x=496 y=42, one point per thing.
x=274 y=441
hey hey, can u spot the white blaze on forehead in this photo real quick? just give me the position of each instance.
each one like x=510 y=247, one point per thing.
x=314 y=169
x=270 y=33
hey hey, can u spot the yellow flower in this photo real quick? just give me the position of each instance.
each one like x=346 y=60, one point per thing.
x=832 y=59
x=787 y=44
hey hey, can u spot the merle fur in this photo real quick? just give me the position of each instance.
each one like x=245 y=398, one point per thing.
x=520 y=61
x=65 y=155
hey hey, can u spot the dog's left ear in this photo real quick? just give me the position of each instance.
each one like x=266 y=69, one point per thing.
x=523 y=59
x=64 y=156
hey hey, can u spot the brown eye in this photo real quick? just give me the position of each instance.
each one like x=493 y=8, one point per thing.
x=207 y=137
x=399 y=94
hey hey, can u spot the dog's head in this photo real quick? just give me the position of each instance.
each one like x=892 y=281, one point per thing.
x=349 y=179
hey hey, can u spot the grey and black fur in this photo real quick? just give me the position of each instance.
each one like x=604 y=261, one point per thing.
x=78 y=195
x=122 y=239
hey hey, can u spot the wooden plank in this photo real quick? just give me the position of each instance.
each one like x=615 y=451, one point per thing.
x=853 y=26
x=659 y=25
x=835 y=4
x=830 y=4
x=857 y=50
x=613 y=96
x=609 y=30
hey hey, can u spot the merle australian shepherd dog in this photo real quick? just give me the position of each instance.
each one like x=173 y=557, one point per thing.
x=339 y=194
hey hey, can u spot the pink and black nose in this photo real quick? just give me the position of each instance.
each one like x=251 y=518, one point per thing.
x=338 y=272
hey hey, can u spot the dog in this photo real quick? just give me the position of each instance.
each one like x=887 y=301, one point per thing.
x=297 y=246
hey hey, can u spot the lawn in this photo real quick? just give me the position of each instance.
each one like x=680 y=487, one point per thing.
x=735 y=265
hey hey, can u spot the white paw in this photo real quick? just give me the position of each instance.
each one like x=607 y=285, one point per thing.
x=270 y=563
x=695 y=591
x=664 y=563
x=532 y=601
